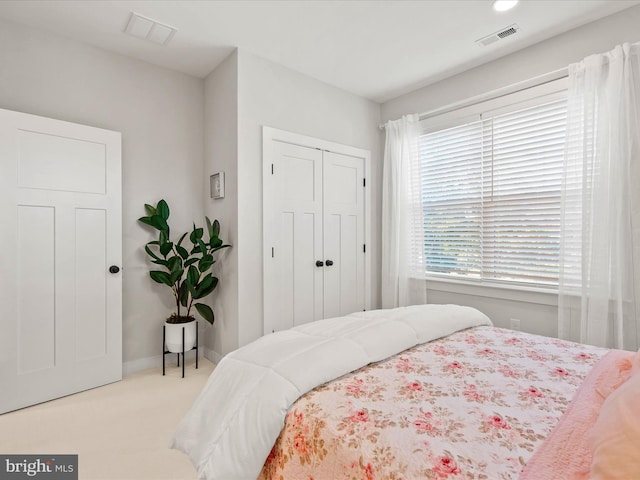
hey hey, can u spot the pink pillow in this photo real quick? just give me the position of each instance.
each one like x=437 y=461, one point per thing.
x=616 y=433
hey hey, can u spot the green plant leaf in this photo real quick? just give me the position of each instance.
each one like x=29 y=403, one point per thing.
x=146 y=221
x=161 y=277
x=203 y=247
x=209 y=227
x=182 y=238
x=176 y=275
x=182 y=252
x=163 y=238
x=206 y=281
x=164 y=263
x=149 y=209
x=196 y=235
x=163 y=209
x=205 y=312
x=215 y=242
x=159 y=223
x=190 y=262
x=166 y=248
x=204 y=290
x=150 y=252
x=190 y=286
x=183 y=294
x=174 y=263
x=193 y=275
x=205 y=263
x=219 y=248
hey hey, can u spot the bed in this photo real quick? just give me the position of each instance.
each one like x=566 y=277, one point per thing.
x=431 y=391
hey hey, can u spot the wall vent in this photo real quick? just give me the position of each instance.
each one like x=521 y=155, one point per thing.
x=147 y=29
x=499 y=35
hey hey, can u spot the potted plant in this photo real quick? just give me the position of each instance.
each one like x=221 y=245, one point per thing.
x=185 y=270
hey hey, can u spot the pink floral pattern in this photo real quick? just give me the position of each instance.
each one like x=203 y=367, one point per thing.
x=474 y=405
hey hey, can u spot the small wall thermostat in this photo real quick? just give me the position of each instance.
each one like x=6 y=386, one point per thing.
x=217 y=185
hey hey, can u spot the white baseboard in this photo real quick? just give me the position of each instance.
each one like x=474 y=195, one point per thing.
x=140 y=364
x=212 y=355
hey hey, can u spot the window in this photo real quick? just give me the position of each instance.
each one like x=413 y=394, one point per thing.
x=490 y=190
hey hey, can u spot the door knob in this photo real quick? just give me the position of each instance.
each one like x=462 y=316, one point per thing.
x=329 y=263
x=114 y=269
x=319 y=263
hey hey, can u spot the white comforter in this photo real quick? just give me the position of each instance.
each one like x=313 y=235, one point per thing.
x=233 y=424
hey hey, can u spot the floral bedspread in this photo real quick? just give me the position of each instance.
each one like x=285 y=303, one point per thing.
x=474 y=405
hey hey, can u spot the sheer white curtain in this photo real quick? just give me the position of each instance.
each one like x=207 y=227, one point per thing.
x=402 y=257
x=600 y=229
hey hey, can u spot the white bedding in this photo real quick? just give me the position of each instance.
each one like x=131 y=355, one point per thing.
x=233 y=424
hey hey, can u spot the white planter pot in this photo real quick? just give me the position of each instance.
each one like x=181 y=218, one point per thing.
x=173 y=336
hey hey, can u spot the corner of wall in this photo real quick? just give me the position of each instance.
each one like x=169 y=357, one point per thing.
x=220 y=155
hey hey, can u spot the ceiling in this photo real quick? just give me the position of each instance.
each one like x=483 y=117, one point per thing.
x=377 y=49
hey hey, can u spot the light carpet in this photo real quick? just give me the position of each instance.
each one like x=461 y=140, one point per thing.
x=119 y=431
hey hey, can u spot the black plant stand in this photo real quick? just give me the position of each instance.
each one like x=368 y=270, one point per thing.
x=165 y=351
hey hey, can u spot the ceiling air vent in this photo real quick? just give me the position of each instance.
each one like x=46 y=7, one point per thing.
x=147 y=29
x=499 y=35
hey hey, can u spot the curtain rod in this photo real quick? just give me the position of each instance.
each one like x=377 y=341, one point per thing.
x=497 y=93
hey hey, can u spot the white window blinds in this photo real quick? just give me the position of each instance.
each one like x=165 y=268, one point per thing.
x=491 y=196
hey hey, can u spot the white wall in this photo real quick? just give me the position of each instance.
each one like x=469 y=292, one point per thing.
x=272 y=95
x=221 y=153
x=160 y=115
x=538 y=312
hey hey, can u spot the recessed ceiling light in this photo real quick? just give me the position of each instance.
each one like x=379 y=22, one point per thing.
x=504 y=5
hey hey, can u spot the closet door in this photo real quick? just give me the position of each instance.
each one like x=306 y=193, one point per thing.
x=60 y=211
x=314 y=230
x=343 y=234
x=293 y=282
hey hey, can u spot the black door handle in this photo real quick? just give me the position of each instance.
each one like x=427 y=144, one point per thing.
x=329 y=263
x=319 y=263
x=114 y=269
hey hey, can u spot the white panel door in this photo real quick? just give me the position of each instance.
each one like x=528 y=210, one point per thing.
x=343 y=232
x=60 y=211
x=294 y=295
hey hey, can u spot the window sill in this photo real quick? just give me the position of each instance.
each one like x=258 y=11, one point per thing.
x=540 y=296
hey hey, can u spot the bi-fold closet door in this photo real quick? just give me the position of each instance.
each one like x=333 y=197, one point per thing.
x=315 y=258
